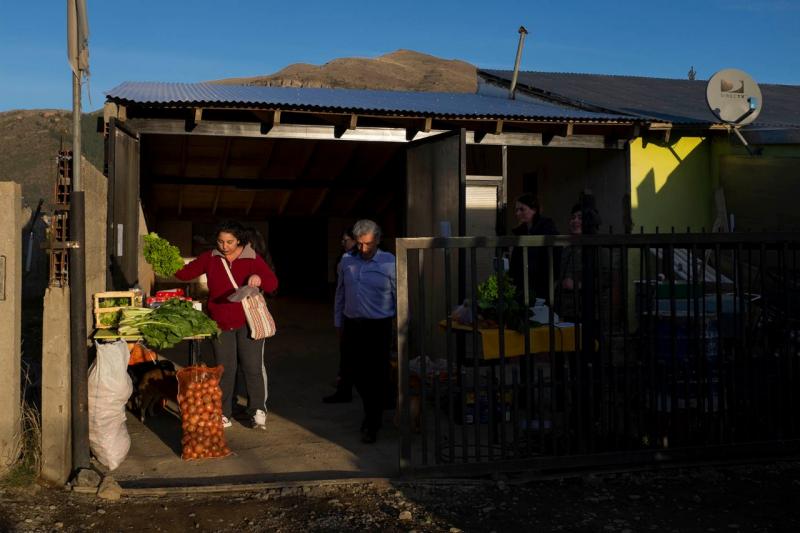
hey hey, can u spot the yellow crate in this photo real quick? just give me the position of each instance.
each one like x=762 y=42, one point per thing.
x=99 y=311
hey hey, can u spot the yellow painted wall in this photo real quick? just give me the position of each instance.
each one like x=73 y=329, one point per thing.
x=671 y=184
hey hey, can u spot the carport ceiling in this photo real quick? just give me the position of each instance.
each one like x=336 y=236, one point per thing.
x=190 y=176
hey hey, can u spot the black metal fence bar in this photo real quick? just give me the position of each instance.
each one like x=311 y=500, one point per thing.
x=700 y=350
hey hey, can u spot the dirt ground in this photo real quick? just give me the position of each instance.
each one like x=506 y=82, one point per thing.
x=748 y=498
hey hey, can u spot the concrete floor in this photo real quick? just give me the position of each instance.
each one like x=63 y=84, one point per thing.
x=305 y=439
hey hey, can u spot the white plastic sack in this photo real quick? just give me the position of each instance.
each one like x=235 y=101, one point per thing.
x=110 y=387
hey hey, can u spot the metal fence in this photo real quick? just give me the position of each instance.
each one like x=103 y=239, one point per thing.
x=636 y=348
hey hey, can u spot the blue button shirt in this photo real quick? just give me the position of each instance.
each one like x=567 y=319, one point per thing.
x=366 y=288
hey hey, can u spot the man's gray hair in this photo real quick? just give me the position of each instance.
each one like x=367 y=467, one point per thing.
x=364 y=226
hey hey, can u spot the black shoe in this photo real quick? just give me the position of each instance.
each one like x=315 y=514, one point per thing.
x=337 y=398
x=369 y=436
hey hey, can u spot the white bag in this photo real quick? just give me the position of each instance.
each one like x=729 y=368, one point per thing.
x=110 y=387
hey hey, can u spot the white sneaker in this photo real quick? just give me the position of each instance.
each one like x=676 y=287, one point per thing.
x=260 y=419
x=226 y=423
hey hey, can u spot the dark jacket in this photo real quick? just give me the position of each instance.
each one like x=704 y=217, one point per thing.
x=538 y=281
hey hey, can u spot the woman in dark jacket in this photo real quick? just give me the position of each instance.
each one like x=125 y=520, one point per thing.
x=533 y=223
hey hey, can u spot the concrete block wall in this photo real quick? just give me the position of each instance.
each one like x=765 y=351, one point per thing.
x=11 y=323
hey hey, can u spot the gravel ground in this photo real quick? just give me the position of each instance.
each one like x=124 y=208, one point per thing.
x=746 y=498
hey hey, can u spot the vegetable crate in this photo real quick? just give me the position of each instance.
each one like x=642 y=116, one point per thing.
x=107 y=306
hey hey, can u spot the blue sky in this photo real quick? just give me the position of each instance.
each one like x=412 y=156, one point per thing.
x=172 y=40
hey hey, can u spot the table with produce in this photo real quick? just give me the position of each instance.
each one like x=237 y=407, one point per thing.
x=127 y=323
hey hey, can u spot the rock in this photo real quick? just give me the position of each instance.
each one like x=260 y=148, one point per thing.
x=58 y=525
x=101 y=511
x=86 y=477
x=109 y=489
x=405 y=516
x=455 y=530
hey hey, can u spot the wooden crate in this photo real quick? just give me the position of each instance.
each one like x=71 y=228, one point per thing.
x=100 y=311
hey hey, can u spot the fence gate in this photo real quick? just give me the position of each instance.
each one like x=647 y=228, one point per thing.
x=643 y=348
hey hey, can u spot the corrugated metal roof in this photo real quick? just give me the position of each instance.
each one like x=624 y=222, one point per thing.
x=453 y=105
x=670 y=100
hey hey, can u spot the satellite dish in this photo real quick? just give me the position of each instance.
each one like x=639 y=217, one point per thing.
x=734 y=97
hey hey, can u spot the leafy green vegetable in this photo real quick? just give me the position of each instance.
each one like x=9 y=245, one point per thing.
x=164 y=257
x=167 y=325
x=110 y=319
x=115 y=302
x=489 y=301
x=489 y=294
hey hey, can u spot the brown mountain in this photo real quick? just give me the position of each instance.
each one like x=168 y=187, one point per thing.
x=402 y=70
x=30 y=139
x=29 y=143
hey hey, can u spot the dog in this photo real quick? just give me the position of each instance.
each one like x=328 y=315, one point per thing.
x=153 y=385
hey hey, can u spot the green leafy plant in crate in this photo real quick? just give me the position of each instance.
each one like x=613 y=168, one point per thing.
x=491 y=308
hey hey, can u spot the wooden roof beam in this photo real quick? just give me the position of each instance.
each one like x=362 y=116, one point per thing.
x=320 y=200
x=268 y=119
x=284 y=202
x=250 y=203
x=217 y=194
x=349 y=123
x=225 y=159
x=196 y=116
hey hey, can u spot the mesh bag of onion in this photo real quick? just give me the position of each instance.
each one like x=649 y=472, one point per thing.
x=200 y=400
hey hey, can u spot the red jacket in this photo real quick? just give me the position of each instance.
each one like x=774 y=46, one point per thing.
x=228 y=315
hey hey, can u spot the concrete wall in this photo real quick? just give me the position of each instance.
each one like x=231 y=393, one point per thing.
x=10 y=325
x=672 y=184
x=56 y=376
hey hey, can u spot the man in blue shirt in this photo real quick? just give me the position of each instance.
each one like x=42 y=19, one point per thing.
x=364 y=309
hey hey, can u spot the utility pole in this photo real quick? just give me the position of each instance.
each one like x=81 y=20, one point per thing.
x=78 y=53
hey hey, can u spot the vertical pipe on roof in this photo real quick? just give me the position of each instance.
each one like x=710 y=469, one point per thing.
x=522 y=33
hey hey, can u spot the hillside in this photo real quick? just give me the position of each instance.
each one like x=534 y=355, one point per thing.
x=30 y=139
x=29 y=143
x=402 y=70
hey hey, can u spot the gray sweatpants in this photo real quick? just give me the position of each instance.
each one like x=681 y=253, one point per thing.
x=235 y=347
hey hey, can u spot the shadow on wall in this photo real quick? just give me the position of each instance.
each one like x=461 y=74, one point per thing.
x=672 y=186
x=35 y=272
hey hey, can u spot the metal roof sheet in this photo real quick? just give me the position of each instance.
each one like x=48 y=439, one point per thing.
x=454 y=105
x=670 y=100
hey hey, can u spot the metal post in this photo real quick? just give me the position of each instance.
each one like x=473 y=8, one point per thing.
x=522 y=33
x=77 y=282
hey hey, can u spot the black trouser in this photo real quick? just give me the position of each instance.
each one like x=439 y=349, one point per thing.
x=231 y=349
x=344 y=386
x=367 y=343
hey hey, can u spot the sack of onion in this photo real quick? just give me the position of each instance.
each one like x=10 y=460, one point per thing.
x=200 y=401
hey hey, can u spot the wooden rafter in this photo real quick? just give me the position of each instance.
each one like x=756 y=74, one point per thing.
x=320 y=200
x=180 y=199
x=224 y=160
x=268 y=119
x=251 y=202
x=184 y=156
x=266 y=157
x=284 y=202
x=217 y=195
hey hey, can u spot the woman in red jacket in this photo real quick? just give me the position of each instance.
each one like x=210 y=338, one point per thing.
x=234 y=345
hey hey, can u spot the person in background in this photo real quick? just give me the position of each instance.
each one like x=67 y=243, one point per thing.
x=234 y=346
x=568 y=302
x=532 y=222
x=344 y=381
x=365 y=307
